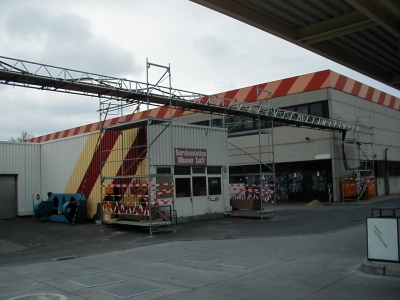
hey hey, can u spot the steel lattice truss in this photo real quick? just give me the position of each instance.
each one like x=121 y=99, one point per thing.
x=45 y=77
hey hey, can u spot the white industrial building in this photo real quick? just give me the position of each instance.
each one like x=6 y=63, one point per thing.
x=297 y=163
x=196 y=155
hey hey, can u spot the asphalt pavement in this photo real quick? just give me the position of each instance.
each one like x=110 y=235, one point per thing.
x=304 y=252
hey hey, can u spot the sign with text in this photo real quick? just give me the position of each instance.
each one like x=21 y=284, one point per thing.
x=190 y=157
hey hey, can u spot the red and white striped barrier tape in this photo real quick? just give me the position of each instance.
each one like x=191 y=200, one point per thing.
x=164 y=192
x=118 y=206
x=251 y=185
x=250 y=195
x=130 y=208
x=158 y=202
x=137 y=184
x=256 y=191
x=250 y=190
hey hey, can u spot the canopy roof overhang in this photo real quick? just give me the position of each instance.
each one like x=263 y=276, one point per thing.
x=359 y=34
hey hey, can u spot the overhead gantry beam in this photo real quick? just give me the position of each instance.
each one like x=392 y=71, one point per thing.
x=44 y=77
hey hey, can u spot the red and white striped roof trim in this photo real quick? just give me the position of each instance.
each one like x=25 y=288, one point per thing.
x=278 y=88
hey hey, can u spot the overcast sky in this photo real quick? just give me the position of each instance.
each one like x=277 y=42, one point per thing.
x=208 y=53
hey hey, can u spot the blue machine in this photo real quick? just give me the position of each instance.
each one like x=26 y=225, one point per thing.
x=62 y=208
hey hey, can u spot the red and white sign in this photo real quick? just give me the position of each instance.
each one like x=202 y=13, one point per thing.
x=190 y=157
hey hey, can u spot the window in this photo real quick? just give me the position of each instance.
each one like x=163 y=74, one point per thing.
x=316 y=109
x=182 y=186
x=393 y=167
x=237 y=124
x=199 y=170
x=303 y=109
x=252 y=169
x=263 y=124
x=182 y=170
x=214 y=185
x=199 y=186
x=195 y=184
x=163 y=170
x=212 y=122
x=201 y=123
x=248 y=169
x=213 y=170
x=216 y=122
x=248 y=123
x=237 y=179
x=290 y=108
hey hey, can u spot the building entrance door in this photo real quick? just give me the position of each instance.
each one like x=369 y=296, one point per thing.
x=198 y=191
x=215 y=194
x=8 y=197
x=200 y=197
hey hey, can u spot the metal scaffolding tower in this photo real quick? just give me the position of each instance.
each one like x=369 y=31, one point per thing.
x=358 y=175
x=133 y=191
x=262 y=190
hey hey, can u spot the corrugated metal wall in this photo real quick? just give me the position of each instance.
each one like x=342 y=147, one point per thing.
x=186 y=136
x=72 y=165
x=118 y=153
x=84 y=177
x=214 y=140
x=22 y=159
x=59 y=159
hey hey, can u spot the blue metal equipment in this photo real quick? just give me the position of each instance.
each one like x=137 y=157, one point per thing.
x=61 y=208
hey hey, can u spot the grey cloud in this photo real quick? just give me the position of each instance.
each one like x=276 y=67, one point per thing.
x=41 y=112
x=66 y=40
x=29 y=22
x=216 y=49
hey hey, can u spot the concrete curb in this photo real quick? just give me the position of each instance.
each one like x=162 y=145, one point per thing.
x=380 y=268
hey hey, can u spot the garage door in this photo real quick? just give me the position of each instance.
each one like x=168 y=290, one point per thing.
x=8 y=196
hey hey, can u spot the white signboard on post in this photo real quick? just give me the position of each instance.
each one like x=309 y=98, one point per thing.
x=383 y=239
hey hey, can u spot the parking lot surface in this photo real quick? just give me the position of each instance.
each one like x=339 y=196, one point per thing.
x=304 y=252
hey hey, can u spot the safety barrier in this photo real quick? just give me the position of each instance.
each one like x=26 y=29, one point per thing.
x=139 y=190
x=253 y=191
x=134 y=199
x=354 y=187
